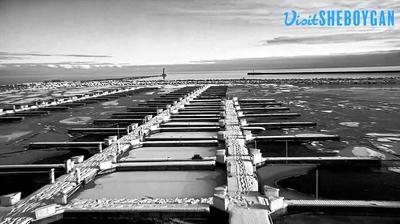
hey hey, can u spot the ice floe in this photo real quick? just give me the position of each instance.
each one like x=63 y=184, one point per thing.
x=361 y=151
x=383 y=140
x=107 y=113
x=76 y=120
x=13 y=136
x=351 y=124
x=110 y=103
x=383 y=134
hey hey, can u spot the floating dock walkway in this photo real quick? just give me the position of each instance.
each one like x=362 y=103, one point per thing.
x=12 y=113
x=190 y=129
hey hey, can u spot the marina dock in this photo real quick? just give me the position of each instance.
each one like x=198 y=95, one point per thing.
x=14 y=112
x=194 y=135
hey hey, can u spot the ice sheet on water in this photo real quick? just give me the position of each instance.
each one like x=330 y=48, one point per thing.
x=351 y=124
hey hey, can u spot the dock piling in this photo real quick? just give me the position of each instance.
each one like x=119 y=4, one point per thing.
x=52 y=176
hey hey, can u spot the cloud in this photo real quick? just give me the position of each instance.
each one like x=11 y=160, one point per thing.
x=259 y=11
x=18 y=55
x=80 y=65
x=84 y=55
x=5 y=57
x=2 y=53
x=250 y=11
x=334 y=38
x=69 y=65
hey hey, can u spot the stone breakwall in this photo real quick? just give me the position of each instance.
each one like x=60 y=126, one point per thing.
x=299 y=81
x=54 y=84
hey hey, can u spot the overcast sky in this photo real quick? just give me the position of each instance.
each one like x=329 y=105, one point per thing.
x=143 y=32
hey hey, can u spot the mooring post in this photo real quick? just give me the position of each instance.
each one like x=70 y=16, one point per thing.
x=118 y=147
x=78 y=175
x=100 y=147
x=68 y=165
x=316 y=184
x=141 y=133
x=286 y=150
x=52 y=176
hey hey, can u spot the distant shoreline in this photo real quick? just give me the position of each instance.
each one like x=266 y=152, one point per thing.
x=135 y=81
x=325 y=71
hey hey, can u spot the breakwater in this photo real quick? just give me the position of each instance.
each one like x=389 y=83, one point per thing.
x=278 y=81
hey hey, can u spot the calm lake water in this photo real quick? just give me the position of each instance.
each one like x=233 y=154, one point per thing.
x=171 y=75
x=155 y=184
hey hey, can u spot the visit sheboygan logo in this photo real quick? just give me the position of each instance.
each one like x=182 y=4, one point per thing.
x=341 y=18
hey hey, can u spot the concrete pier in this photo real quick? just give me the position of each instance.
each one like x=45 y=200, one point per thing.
x=181 y=143
x=202 y=104
x=167 y=165
x=119 y=121
x=241 y=199
x=205 y=100
x=190 y=124
x=253 y=109
x=262 y=104
x=203 y=131
x=214 y=112
x=44 y=145
x=331 y=160
x=193 y=119
x=36 y=206
x=298 y=137
x=162 y=136
x=274 y=115
x=99 y=131
x=137 y=113
x=201 y=107
x=189 y=129
x=284 y=124
x=14 y=112
x=195 y=116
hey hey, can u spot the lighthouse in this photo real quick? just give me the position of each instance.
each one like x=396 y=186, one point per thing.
x=163 y=73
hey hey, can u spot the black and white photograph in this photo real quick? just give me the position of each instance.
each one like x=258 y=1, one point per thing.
x=199 y=111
